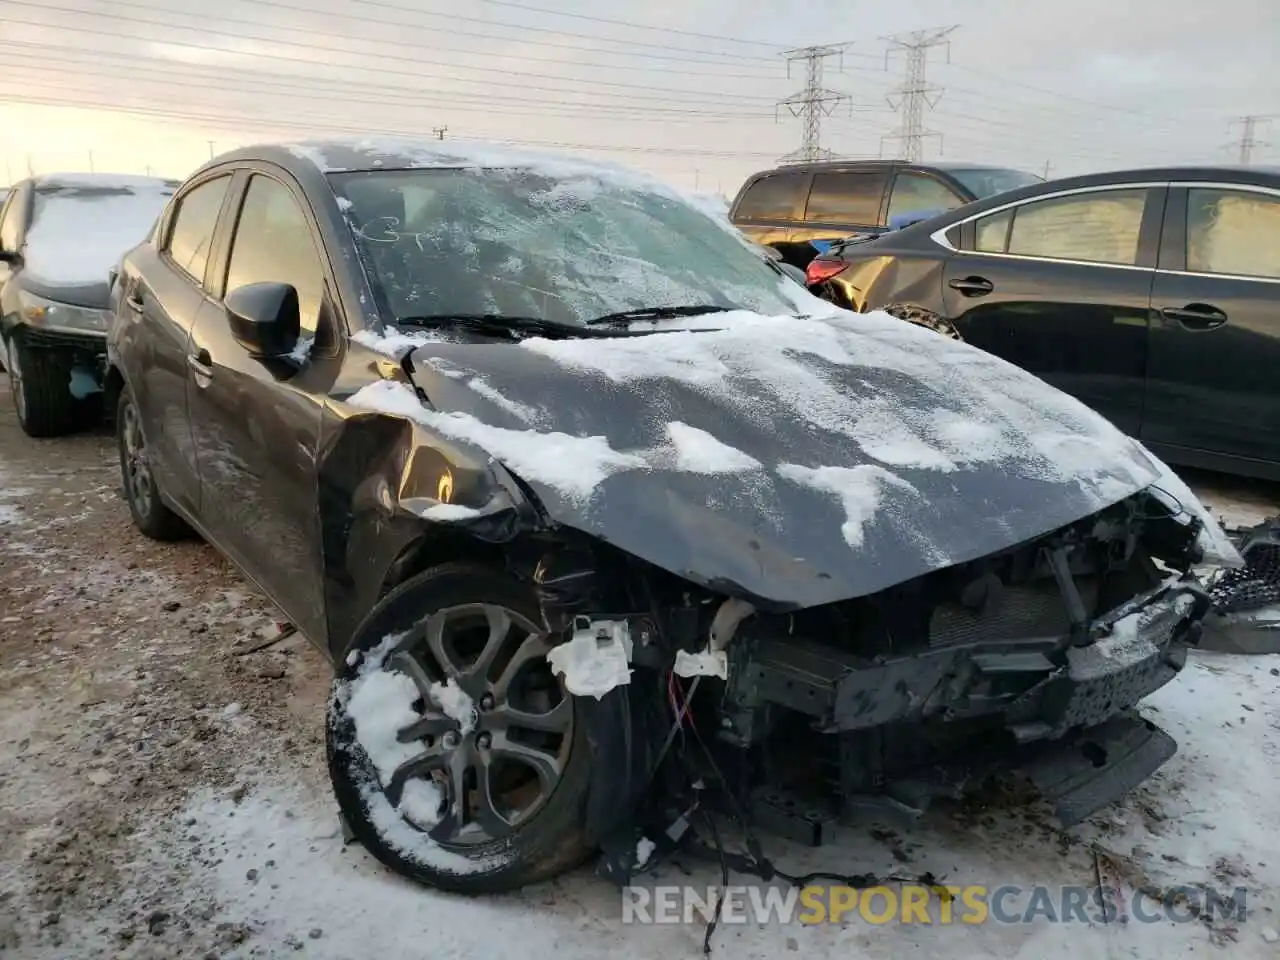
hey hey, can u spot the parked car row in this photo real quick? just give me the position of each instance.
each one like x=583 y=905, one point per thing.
x=1151 y=295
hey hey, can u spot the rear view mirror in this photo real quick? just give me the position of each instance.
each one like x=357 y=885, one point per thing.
x=264 y=318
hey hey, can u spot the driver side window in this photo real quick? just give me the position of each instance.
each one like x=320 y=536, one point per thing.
x=273 y=243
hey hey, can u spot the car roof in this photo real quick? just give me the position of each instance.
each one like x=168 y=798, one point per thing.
x=304 y=159
x=824 y=165
x=1231 y=173
x=103 y=180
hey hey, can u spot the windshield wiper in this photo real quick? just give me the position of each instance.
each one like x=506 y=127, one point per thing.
x=658 y=313
x=499 y=322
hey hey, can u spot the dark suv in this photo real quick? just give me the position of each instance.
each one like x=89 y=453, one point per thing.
x=799 y=209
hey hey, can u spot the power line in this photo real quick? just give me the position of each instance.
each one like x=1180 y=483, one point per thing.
x=248 y=82
x=813 y=102
x=345 y=39
x=330 y=51
x=686 y=55
x=1248 y=136
x=593 y=37
x=914 y=92
x=336 y=125
x=627 y=23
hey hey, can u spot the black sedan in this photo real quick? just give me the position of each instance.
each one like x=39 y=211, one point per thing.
x=60 y=237
x=1152 y=295
x=560 y=470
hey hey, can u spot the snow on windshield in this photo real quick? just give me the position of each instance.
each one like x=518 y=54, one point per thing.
x=567 y=249
x=82 y=226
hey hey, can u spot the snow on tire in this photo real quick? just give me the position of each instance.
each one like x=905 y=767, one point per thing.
x=422 y=754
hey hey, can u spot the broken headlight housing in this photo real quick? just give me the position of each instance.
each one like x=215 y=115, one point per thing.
x=52 y=315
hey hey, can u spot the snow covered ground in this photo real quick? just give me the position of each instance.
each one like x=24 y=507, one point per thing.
x=163 y=791
x=1206 y=818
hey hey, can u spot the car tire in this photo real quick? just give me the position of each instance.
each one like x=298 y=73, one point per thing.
x=151 y=514
x=40 y=385
x=542 y=844
x=923 y=318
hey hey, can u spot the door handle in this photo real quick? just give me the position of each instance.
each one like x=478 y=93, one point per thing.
x=1196 y=316
x=134 y=302
x=201 y=364
x=972 y=286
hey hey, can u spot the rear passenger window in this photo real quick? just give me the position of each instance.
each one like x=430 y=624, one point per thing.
x=993 y=232
x=852 y=198
x=915 y=193
x=775 y=197
x=1101 y=227
x=1233 y=232
x=191 y=236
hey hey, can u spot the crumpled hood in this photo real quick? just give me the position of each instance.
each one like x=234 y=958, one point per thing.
x=798 y=461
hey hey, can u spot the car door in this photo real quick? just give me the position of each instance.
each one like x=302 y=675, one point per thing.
x=159 y=304
x=1061 y=286
x=843 y=203
x=1214 y=377
x=256 y=422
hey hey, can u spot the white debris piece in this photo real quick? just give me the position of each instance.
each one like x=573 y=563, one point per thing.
x=302 y=349
x=455 y=704
x=595 y=660
x=644 y=850
x=707 y=663
x=697 y=451
x=444 y=512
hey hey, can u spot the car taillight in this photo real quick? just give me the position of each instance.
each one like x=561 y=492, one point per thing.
x=819 y=270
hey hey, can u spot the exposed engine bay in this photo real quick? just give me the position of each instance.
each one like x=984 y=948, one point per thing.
x=1031 y=659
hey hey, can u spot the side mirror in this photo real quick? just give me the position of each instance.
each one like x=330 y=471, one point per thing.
x=265 y=318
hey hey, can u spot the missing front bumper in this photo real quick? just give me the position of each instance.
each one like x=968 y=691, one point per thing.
x=1042 y=688
x=1082 y=774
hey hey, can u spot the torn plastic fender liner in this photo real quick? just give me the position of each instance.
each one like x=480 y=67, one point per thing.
x=625 y=731
x=387 y=491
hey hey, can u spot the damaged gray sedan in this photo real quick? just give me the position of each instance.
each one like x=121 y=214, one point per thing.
x=608 y=525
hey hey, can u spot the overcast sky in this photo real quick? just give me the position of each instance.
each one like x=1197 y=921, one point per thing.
x=686 y=90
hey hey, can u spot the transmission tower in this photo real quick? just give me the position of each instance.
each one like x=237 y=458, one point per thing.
x=1249 y=141
x=813 y=102
x=914 y=93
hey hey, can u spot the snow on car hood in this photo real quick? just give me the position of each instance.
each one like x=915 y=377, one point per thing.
x=83 y=225
x=797 y=460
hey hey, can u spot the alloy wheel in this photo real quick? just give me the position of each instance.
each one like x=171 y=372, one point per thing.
x=498 y=761
x=137 y=468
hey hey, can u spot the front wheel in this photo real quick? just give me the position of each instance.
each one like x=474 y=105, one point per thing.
x=40 y=384
x=456 y=755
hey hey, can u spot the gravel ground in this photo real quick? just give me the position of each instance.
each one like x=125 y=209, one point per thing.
x=162 y=787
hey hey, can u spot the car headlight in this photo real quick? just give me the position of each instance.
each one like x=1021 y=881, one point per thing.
x=40 y=312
